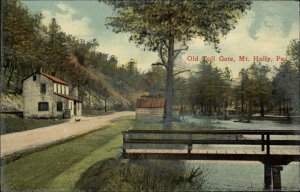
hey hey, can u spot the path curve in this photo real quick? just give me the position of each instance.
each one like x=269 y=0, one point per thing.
x=20 y=141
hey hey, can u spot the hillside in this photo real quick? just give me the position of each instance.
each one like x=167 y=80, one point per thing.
x=11 y=102
x=96 y=75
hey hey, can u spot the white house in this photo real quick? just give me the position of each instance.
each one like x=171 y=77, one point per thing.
x=46 y=96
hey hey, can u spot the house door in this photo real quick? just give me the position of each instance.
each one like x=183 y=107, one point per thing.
x=75 y=108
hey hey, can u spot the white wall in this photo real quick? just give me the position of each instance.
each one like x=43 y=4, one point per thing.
x=150 y=114
x=32 y=96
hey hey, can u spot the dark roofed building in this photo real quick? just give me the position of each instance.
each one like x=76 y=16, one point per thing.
x=150 y=109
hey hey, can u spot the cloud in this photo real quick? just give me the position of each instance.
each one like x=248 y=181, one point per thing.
x=285 y=11
x=79 y=27
x=271 y=41
x=125 y=50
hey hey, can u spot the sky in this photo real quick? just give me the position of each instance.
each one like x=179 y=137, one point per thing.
x=263 y=33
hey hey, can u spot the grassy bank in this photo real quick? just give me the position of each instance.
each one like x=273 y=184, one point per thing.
x=85 y=163
x=116 y=175
x=59 y=167
x=12 y=123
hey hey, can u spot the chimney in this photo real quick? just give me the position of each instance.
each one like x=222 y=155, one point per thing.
x=39 y=70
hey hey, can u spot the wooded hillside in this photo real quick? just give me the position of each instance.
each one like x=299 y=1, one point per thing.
x=29 y=45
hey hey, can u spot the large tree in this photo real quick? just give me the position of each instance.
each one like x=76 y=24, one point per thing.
x=293 y=56
x=284 y=86
x=166 y=26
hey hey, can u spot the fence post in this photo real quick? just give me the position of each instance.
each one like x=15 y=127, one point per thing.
x=190 y=144
x=268 y=144
x=276 y=177
x=190 y=148
x=124 y=143
x=267 y=176
x=262 y=139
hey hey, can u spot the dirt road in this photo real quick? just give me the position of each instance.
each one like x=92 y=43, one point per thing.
x=16 y=142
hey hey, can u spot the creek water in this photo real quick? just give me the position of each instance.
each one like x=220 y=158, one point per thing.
x=244 y=176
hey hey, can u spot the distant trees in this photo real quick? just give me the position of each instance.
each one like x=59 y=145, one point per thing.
x=284 y=84
x=293 y=56
x=258 y=86
x=155 y=81
x=210 y=88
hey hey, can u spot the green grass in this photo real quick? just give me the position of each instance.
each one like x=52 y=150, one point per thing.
x=59 y=167
x=65 y=166
x=12 y=123
x=115 y=175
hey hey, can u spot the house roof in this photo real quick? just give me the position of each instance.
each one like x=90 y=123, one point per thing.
x=51 y=77
x=150 y=103
x=69 y=97
x=55 y=79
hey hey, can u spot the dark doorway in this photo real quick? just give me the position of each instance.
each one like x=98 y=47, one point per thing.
x=75 y=108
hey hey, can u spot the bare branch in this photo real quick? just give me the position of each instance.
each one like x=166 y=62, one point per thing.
x=182 y=49
x=161 y=54
x=178 y=51
x=179 y=72
x=159 y=63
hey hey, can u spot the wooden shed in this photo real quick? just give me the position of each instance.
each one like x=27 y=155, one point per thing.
x=150 y=109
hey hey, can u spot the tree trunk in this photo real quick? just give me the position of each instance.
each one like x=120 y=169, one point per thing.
x=242 y=110
x=9 y=78
x=225 y=108
x=284 y=106
x=169 y=84
x=280 y=106
x=262 y=110
x=249 y=110
x=288 y=111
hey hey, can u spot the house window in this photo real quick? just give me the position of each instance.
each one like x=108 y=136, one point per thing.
x=43 y=88
x=34 y=78
x=59 y=88
x=55 y=88
x=67 y=90
x=59 y=106
x=43 y=106
x=62 y=89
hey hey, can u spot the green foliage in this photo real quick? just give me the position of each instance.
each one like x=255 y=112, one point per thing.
x=115 y=175
x=209 y=88
x=151 y=22
x=155 y=81
x=293 y=52
x=21 y=39
x=284 y=84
